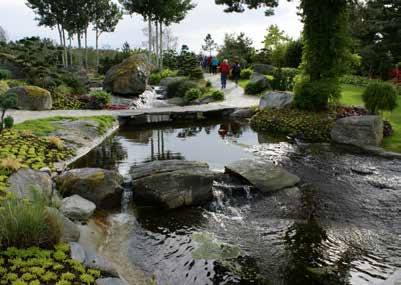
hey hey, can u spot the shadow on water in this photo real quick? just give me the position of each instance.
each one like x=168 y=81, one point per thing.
x=341 y=227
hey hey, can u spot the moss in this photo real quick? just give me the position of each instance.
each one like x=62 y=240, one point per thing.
x=47 y=126
x=127 y=66
x=35 y=91
x=7 y=56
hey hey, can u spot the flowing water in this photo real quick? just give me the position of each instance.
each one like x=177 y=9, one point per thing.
x=342 y=226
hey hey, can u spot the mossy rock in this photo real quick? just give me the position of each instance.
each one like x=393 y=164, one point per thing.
x=32 y=98
x=3 y=86
x=129 y=77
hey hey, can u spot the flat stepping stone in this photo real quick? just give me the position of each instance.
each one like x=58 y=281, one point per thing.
x=263 y=175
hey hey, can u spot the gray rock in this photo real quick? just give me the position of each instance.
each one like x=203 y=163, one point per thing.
x=167 y=81
x=69 y=231
x=173 y=184
x=176 y=101
x=77 y=208
x=100 y=186
x=360 y=131
x=110 y=281
x=26 y=181
x=46 y=170
x=243 y=113
x=32 y=98
x=77 y=252
x=265 y=176
x=277 y=100
x=129 y=77
x=265 y=69
x=260 y=80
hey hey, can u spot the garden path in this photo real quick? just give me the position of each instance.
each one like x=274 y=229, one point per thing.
x=234 y=98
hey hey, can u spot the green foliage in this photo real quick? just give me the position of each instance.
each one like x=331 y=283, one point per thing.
x=16 y=83
x=380 y=96
x=208 y=84
x=63 y=102
x=8 y=122
x=355 y=80
x=310 y=126
x=192 y=94
x=246 y=73
x=237 y=48
x=102 y=97
x=254 y=88
x=7 y=101
x=3 y=86
x=188 y=64
x=170 y=59
x=284 y=78
x=33 y=266
x=25 y=224
x=293 y=54
x=218 y=95
x=196 y=73
x=72 y=81
x=5 y=74
x=155 y=78
x=314 y=95
x=179 y=88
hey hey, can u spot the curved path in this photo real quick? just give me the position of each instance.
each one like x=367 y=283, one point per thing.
x=235 y=98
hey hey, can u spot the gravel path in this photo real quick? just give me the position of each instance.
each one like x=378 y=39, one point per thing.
x=235 y=97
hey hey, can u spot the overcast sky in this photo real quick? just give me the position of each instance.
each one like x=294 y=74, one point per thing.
x=18 y=20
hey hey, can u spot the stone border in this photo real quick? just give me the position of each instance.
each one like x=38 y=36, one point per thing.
x=84 y=150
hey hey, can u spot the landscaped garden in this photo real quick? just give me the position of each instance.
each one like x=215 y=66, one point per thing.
x=236 y=163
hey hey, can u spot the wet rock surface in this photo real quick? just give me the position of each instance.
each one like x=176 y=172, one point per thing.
x=110 y=281
x=77 y=208
x=263 y=175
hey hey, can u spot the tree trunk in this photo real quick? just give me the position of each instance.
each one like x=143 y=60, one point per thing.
x=70 y=48
x=157 y=44
x=61 y=43
x=65 y=48
x=80 y=59
x=97 y=50
x=161 y=45
x=86 y=48
x=150 y=39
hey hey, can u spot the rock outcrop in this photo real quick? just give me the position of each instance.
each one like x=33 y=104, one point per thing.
x=32 y=98
x=263 y=68
x=77 y=208
x=263 y=175
x=359 y=131
x=260 y=81
x=128 y=78
x=276 y=100
x=100 y=186
x=172 y=184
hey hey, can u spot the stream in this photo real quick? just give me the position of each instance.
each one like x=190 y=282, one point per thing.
x=342 y=226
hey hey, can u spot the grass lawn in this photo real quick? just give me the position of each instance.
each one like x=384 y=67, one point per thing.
x=352 y=95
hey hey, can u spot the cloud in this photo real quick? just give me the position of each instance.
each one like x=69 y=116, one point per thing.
x=19 y=21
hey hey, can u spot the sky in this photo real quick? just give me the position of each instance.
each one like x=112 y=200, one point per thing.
x=19 y=21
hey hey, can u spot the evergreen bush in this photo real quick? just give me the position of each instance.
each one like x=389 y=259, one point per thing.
x=5 y=74
x=380 y=96
x=192 y=94
x=246 y=73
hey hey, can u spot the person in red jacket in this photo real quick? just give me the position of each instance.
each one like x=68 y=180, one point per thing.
x=225 y=71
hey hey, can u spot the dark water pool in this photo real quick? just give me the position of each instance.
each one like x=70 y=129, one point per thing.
x=342 y=226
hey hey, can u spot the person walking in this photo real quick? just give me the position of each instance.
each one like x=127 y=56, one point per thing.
x=236 y=72
x=225 y=71
x=209 y=64
x=215 y=64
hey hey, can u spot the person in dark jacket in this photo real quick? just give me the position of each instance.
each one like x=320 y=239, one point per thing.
x=225 y=71
x=236 y=72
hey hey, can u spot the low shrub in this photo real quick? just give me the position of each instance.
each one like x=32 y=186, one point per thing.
x=355 y=80
x=196 y=73
x=8 y=122
x=102 y=97
x=61 y=100
x=315 y=95
x=73 y=82
x=179 y=88
x=246 y=73
x=380 y=96
x=26 y=223
x=284 y=79
x=254 y=89
x=192 y=94
x=208 y=84
x=10 y=164
x=3 y=86
x=154 y=79
x=218 y=95
x=309 y=126
x=5 y=74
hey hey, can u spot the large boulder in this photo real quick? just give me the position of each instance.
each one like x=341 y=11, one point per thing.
x=263 y=68
x=277 y=100
x=26 y=181
x=263 y=175
x=129 y=77
x=77 y=208
x=110 y=281
x=260 y=81
x=32 y=98
x=167 y=81
x=173 y=184
x=360 y=131
x=100 y=186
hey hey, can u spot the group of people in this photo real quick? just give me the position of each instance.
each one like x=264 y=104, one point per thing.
x=211 y=64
